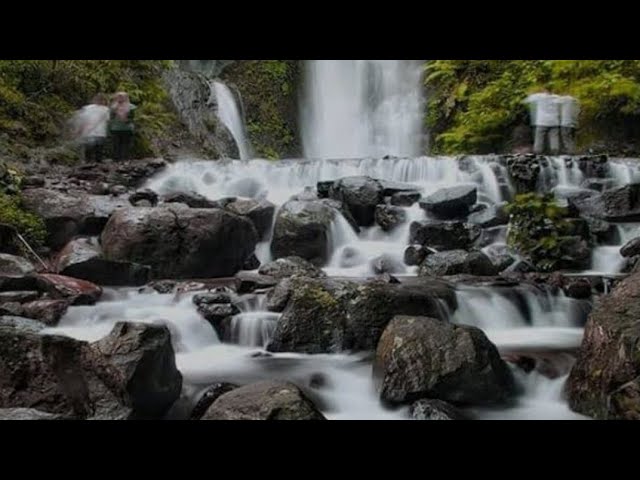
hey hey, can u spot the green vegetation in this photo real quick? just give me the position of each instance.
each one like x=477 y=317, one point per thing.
x=29 y=225
x=475 y=105
x=269 y=95
x=37 y=98
x=538 y=229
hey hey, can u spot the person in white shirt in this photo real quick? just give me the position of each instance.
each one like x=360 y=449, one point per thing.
x=545 y=118
x=91 y=127
x=569 y=112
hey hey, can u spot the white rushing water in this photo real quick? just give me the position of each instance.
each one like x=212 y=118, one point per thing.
x=230 y=116
x=362 y=108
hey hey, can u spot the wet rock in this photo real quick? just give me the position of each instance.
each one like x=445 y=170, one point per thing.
x=252 y=263
x=191 y=199
x=77 y=292
x=411 y=366
x=405 y=199
x=211 y=298
x=492 y=216
x=631 y=248
x=289 y=266
x=618 y=204
x=603 y=231
x=28 y=414
x=278 y=297
x=360 y=195
x=180 y=242
x=450 y=203
x=323 y=188
x=208 y=396
x=444 y=235
x=270 y=400
x=143 y=356
x=605 y=381
x=19 y=297
x=219 y=316
x=524 y=171
x=390 y=187
x=14 y=265
x=247 y=282
x=260 y=212
x=455 y=262
x=163 y=286
x=81 y=258
x=302 y=229
x=389 y=217
x=146 y=195
x=415 y=254
x=48 y=312
x=426 y=409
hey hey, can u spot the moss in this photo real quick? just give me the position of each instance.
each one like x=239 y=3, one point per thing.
x=269 y=97
x=29 y=225
x=314 y=296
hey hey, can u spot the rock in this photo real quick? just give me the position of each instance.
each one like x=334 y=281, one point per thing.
x=144 y=359
x=33 y=181
x=211 y=298
x=163 y=286
x=19 y=297
x=601 y=229
x=390 y=187
x=415 y=254
x=411 y=365
x=14 y=265
x=405 y=199
x=302 y=229
x=492 y=216
x=252 y=263
x=631 y=248
x=618 y=204
x=208 y=396
x=270 y=400
x=455 y=262
x=219 y=316
x=426 y=409
x=69 y=215
x=57 y=375
x=278 y=297
x=360 y=195
x=524 y=171
x=259 y=212
x=180 y=242
x=78 y=292
x=289 y=266
x=450 y=203
x=247 y=282
x=48 y=312
x=28 y=414
x=332 y=315
x=575 y=253
x=605 y=380
x=118 y=190
x=389 y=217
x=82 y=259
x=20 y=324
x=323 y=188
x=147 y=195
x=444 y=235
x=191 y=199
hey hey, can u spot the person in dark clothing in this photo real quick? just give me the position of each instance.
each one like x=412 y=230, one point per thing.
x=121 y=126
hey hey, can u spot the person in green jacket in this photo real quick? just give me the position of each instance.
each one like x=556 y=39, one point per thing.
x=121 y=126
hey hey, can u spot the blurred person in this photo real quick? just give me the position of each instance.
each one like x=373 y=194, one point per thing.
x=91 y=127
x=545 y=118
x=569 y=112
x=121 y=126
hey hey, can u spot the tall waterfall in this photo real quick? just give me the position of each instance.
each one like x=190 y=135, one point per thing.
x=362 y=108
x=230 y=116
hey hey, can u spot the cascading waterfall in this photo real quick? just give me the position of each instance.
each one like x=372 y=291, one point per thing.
x=362 y=108
x=230 y=116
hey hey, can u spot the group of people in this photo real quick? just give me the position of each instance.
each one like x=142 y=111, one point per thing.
x=555 y=120
x=98 y=121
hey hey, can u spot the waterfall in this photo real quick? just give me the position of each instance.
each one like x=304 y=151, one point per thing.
x=229 y=115
x=362 y=108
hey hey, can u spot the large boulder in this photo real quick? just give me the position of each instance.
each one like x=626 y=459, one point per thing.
x=14 y=265
x=360 y=195
x=389 y=217
x=421 y=357
x=77 y=292
x=269 y=400
x=180 y=242
x=289 y=266
x=491 y=216
x=260 y=212
x=618 y=204
x=605 y=380
x=631 y=248
x=451 y=202
x=57 y=375
x=331 y=315
x=455 y=262
x=302 y=229
x=81 y=258
x=143 y=357
x=444 y=235
x=69 y=214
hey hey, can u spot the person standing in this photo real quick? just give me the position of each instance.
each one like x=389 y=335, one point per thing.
x=121 y=126
x=569 y=112
x=545 y=118
x=91 y=124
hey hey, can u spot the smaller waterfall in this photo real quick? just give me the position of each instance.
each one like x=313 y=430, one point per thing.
x=229 y=115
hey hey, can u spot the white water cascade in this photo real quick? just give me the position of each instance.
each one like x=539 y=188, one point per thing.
x=229 y=114
x=362 y=108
